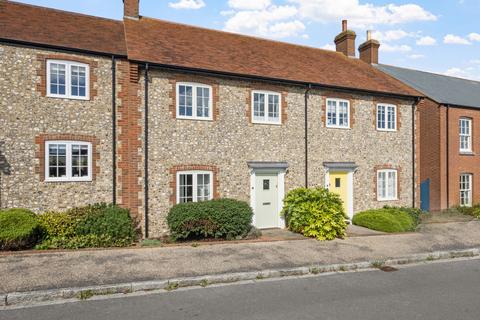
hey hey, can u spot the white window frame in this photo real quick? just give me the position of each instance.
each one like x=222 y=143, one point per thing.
x=266 y=119
x=468 y=136
x=68 y=177
x=195 y=174
x=337 y=108
x=387 y=198
x=387 y=106
x=469 y=180
x=68 y=80
x=194 y=86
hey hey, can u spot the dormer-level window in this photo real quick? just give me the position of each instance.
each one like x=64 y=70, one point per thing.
x=266 y=107
x=194 y=101
x=338 y=113
x=68 y=79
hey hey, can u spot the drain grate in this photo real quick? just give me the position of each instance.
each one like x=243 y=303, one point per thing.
x=388 y=269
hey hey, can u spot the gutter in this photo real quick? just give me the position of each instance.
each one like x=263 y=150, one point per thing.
x=114 y=131
x=60 y=48
x=447 y=142
x=146 y=150
x=414 y=184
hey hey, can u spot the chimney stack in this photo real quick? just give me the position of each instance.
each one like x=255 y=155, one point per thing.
x=131 y=9
x=369 y=49
x=345 y=41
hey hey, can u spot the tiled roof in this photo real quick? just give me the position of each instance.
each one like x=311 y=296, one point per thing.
x=173 y=44
x=440 y=88
x=178 y=45
x=44 y=26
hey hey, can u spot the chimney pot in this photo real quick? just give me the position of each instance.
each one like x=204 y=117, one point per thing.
x=369 y=49
x=345 y=41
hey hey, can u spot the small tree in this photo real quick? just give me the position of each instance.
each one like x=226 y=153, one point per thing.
x=315 y=212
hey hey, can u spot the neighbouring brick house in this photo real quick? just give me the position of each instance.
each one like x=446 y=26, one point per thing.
x=450 y=149
x=148 y=113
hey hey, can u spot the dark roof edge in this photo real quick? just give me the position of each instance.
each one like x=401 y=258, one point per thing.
x=275 y=80
x=427 y=72
x=59 y=48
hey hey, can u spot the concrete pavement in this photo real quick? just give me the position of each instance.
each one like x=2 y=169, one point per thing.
x=54 y=270
x=434 y=291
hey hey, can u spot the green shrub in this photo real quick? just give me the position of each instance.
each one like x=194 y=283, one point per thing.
x=415 y=213
x=83 y=241
x=315 y=213
x=57 y=224
x=222 y=218
x=386 y=220
x=19 y=229
x=473 y=211
x=106 y=220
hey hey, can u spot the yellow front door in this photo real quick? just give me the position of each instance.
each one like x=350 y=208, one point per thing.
x=339 y=185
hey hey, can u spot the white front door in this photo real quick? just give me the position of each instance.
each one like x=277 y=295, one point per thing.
x=266 y=201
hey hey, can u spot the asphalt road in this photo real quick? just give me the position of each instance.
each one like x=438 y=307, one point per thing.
x=449 y=290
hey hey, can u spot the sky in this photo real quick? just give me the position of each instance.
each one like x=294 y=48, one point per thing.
x=441 y=36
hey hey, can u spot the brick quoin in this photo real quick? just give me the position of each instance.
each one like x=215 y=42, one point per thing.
x=129 y=139
x=42 y=71
x=193 y=167
x=40 y=141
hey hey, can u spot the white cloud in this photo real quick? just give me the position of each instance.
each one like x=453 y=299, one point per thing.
x=453 y=39
x=462 y=73
x=395 y=48
x=330 y=47
x=249 y=4
x=272 y=21
x=475 y=61
x=361 y=15
x=416 y=56
x=474 y=36
x=426 y=41
x=187 y=4
x=390 y=35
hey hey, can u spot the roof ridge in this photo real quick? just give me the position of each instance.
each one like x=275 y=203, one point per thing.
x=59 y=10
x=430 y=72
x=241 y=35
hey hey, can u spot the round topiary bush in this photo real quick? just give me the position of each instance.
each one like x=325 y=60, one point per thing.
x=315 y=212
x=19 y=229
x=222 y=218
x=386 y=220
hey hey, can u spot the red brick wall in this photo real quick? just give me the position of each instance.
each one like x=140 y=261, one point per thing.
x=40 y=155
x=129 y=158
x=42 y=71
x=194 y=167
x=430 y=156
x=461 y=163
x=131 y=8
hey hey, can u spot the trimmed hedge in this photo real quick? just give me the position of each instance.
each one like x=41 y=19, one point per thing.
x=388 y=219
x=92 y=226
x=315 y=212
x=222 y=218
x=19 y=229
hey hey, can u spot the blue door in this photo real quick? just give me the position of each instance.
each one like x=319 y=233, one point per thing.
x=425 y=195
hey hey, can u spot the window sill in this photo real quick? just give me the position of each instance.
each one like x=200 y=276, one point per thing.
x=194 y=119
x=68 y=180
x=467 y=153
x=267 y=123
x=386 y=200
x=386 y=130
x=68 y=97
x=340 y=128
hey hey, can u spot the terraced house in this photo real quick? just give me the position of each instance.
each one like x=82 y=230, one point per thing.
x=148 y=113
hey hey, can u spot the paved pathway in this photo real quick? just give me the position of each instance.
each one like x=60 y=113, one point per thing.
x=28 y=272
